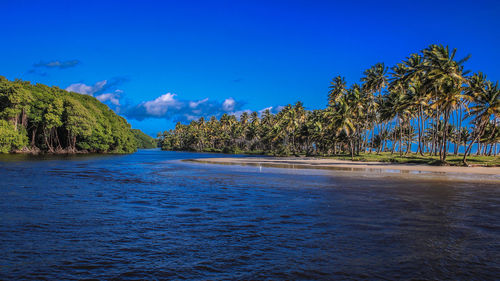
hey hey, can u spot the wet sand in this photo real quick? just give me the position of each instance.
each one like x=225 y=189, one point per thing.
x=334 y=164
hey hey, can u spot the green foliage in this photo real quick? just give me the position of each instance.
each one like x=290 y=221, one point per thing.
x=54 y=120
x=426 y=104
x=143 y=140
x=10 y=139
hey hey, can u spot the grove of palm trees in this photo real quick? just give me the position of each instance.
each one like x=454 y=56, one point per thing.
x=427 y=107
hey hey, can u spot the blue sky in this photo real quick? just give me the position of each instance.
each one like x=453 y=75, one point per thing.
x=156 y=62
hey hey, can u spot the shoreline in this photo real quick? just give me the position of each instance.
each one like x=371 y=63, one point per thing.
x=335 y=164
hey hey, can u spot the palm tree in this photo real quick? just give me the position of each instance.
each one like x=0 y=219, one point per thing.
x=375 y=80
x=316 y=129
x=356 y=102
x=337 y=88
x=266 y=132
x=445 y=79
x=419 y=98
x=464 y=136
x=427 y=93
x=399 y=101
x=340 y=118
x=485 y=106
x=252 y=133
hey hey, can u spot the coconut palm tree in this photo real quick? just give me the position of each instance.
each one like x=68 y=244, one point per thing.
x=485 y=106
x=374 y=81
x=427 y=93
x=337 y=88
x=375 y=78
x=341 y=119
x=414 y=74
x=444 y=78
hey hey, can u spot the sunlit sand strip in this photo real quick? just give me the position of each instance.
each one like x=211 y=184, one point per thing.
x=450 y=172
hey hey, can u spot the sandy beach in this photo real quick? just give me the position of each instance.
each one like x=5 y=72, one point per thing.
x=334 y=164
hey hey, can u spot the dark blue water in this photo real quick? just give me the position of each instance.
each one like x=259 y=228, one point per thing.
x=150 y=216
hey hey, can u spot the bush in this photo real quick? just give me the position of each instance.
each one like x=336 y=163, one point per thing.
x=10 y=139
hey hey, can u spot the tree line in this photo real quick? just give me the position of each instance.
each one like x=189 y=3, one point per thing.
x=143 y=140
x=39 y=118
x=427 y=104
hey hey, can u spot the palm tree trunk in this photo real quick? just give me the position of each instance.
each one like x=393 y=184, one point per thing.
x=491 y=149
x=401 y=138
x=445 y=135
x=352 y=149
x=420 y=129
x=467 y=151
x=371 y=141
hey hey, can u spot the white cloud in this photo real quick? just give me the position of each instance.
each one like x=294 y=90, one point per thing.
x=190 y=117
x=169 y=107
x=160 y=105
x=57 y=64
x=272 y=109
x=264 y=109
x=228 y=104
x=195 y=104
x=166 y=106
x=240 y=112
x=113 y=98
x=84 y=89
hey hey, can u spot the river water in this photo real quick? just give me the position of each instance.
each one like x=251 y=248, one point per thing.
x=149 y=215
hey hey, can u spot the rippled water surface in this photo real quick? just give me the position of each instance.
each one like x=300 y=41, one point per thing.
x=150 y=216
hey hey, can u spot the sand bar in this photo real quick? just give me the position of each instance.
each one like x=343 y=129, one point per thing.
x=335 y=164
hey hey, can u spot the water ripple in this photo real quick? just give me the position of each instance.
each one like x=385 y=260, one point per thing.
x=150 y=216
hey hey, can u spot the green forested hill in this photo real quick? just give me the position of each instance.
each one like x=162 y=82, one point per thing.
x=48 y=119
x=143 y=140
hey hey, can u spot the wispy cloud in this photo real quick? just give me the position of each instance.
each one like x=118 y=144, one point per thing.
x=57 y=64
x=85 y=89
x=113 y=98
x=105 y=91
x=99 y=87
x=36 y=72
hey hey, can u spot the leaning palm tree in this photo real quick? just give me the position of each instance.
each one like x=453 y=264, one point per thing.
x=485 y=106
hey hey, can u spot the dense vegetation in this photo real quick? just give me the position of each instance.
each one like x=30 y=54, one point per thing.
x=37 y=118
x=143 y=140
x=427 y=104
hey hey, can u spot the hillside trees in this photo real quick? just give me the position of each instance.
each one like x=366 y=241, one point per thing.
x=49 y=119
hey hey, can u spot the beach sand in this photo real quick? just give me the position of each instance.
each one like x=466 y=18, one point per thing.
x=334 y=164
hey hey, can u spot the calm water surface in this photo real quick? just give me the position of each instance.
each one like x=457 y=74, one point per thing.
x=150 y=216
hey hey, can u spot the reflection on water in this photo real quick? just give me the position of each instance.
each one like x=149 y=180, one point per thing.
x=362 y=171
x=150 y=216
